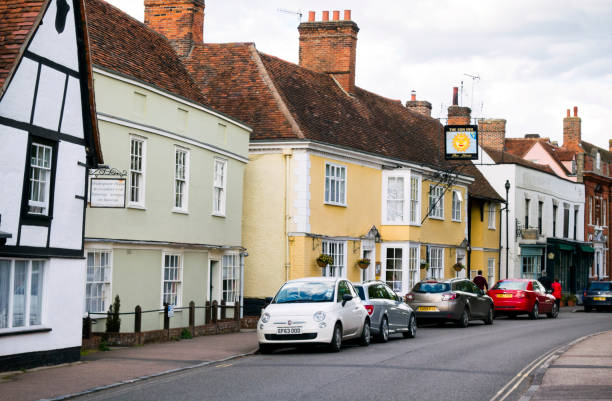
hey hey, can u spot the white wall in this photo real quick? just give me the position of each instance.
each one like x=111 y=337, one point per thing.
x=12 y=162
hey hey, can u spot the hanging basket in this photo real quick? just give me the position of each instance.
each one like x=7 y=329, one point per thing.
x=458 y=267
x=424 y=266
x=363 y=263
x=324 y=260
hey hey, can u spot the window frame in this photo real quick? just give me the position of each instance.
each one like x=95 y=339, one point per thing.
x=415 y=200
x=222 y=211
x=179 y=290
x=141 y=202
x=430 y=271
x=184 y=208
x=328 y=180
x=234 y=279
x=456 y=205
x=28 y=296
x=491 y=271
x=330 y=271
x=405 y=208
x=27 y=216
x=108 y=283
x=436 y=212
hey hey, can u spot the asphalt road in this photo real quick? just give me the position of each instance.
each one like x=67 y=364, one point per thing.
x=441 y=363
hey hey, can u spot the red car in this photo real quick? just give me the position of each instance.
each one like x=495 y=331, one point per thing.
x=522 y=296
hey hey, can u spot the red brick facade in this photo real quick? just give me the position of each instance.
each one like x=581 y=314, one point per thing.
x=181 y=21
x=419 y=106
x=330 y=47
x=492 y=133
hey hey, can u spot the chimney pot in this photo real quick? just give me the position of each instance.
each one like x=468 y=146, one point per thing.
x=336 y=15
x=413 y=96
x=568 y=113
x=575 y=111
x=325 y=15
x=610 y=145
x=455 y=96
x=347 y=15
x=311 y=16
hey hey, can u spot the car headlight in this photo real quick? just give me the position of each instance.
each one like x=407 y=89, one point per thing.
x=265 y=318
x=319 y=316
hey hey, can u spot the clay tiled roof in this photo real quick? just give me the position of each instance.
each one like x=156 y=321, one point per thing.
x=17 y=17
x=519 y=146
x=124 y=45
x=503 y=157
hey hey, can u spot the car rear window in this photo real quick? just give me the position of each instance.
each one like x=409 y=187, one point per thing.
x=598 y=286
x=360 y=292
x=510 y=285
x=431 y=287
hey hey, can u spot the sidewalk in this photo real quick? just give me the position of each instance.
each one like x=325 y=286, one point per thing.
x=583 y=372
x=123 y=364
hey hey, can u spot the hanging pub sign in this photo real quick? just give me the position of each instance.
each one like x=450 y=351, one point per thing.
x=461 y=142
x=107 y=192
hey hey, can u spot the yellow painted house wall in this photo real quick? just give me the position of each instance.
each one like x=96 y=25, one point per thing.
x=484 y=240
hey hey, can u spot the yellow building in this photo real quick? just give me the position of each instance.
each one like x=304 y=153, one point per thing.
x=484 y=254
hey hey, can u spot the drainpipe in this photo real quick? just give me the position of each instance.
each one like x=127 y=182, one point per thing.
x=242 y=256
x=287 y=262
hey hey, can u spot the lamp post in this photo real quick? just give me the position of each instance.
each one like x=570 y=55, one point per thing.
x=507 y=248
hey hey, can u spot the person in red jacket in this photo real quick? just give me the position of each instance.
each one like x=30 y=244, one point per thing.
x=556 y=291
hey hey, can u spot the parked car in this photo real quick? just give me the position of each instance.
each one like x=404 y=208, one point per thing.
x=458 y=300
x=316 y=310
x=388 y=311
x=597 y=295
x=523 y=296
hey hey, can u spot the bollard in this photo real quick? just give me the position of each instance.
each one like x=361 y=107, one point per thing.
x=223 y=309
x=137 y=319
x=166 y=318
x=192 y=317
x=237 y=310
x=207 y=313
x=214 y=311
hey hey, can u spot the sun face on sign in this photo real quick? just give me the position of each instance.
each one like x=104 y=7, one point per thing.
x=461 y=142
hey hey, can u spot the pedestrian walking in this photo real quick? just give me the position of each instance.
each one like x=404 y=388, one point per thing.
x=480 y=281
x=556 y=288
x=545 y=281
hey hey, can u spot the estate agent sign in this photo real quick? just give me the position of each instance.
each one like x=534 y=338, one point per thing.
x=107 y=192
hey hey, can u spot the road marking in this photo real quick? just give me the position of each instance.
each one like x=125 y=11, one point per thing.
x=225 y=365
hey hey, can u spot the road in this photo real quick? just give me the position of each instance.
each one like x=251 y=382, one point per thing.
x=441 y=363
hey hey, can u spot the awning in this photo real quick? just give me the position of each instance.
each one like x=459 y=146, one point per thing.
x=565 y=247
x=587 y=249
x=532 y=251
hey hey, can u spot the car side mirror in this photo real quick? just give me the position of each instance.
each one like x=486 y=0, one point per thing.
x=268 y=301
x=346 y=298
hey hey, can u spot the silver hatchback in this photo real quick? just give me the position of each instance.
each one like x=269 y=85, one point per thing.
x=388 y=312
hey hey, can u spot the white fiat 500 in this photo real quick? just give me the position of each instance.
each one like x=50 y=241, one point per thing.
x=315 y=310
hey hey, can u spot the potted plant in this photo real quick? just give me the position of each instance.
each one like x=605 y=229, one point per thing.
x=563 y=301
x=424 y=264
x=324 y=260
x=363 y=263
x=458 y=266
x=571 y=300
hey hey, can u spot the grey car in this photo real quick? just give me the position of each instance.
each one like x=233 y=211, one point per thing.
x=457 y=300
x=388 y=312
x=597 y=295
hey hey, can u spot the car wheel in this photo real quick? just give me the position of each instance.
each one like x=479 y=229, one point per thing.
x=554 y=312
x=587 y=308
x=336 y=341
x=364 y=340
x=489 y=319
x=412 y=326
x=464 y=320
x=535 y=312
x=266 y=348
x=383 y=332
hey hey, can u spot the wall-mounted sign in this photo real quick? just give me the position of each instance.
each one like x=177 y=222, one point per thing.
x=107 y=192
x=461 y=142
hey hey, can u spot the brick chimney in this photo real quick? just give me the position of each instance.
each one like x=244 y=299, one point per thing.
x=418 y=106
x=571 y=130
x=330 y=47
x=181 y=21
x=458 y=115
x=492 y=133
x=610 y=145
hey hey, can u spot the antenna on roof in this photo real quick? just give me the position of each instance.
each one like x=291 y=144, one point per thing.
x=474 y=79
x=298 y=13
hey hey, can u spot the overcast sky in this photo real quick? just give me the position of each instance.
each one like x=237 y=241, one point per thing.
x=534 y=59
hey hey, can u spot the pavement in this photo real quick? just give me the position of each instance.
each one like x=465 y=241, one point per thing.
x=100 y=370
x=582 y=372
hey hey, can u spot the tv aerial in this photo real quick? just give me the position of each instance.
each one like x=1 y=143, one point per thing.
x=474 y=79
x=298 y=13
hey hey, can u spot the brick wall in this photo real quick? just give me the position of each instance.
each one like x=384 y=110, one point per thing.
x=419 y=106
x=572 y=131
x=492 y=133
x=330 y=47
x=458 y=115
x=181 y=21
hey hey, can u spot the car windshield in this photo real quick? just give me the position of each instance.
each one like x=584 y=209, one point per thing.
x=595 y=286
x=360 y=292
x=510 y=285
x=305 y=291
x=431 y=287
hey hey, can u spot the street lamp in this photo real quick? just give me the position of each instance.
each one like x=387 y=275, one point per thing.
x=507 y=248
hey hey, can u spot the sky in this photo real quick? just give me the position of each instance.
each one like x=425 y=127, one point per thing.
x=523 y=61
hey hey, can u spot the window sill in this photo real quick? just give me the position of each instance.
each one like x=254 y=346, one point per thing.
x=491 y=228
x=395 y=223
x=335 y=204
x=21 y=331
x=436 y=218
x=218 y=214
x=180 y=211
x=456 y=221
x=137 y=207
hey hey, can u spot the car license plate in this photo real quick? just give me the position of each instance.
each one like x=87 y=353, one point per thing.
x=599 y=298
x=427 y=309
x=289 y=330
x=504 y=295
